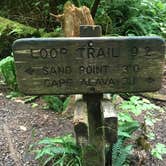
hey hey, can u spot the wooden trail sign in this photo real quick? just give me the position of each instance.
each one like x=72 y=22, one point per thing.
x=89 y=64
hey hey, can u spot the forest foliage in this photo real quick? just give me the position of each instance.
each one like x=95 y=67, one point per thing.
x=118 y=18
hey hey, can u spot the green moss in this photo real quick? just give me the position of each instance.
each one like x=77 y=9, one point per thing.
x=17 y=27
x=11 y=30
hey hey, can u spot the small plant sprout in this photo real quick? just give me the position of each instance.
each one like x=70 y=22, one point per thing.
x=158 y=151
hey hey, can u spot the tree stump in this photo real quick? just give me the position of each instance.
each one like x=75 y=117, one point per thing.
x=72 y=18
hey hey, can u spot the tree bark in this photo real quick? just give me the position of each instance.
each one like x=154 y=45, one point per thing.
x=72 y=18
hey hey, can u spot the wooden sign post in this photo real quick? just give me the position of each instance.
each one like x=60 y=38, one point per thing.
x=94 y=150
x=90 y=65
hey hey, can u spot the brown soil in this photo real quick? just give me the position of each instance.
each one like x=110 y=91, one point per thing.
x=21 y=125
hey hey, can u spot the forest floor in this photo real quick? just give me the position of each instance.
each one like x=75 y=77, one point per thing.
x=21 y=125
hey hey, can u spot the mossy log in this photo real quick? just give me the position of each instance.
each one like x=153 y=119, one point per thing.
x=19 y=28
x=10 y=31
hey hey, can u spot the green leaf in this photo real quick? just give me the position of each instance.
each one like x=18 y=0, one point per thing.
x=65 y=103
x=138 y=110
x=129 y=127
x=30 y=99
x=60 y=150
x=48 y=160
x=34 y=105
x=120 y=153
x=149 y=121
x=13 y=94
x=151 y=136
x=54 y=103
x=125 y=117
x=57 y=140
x=123 y=134
x=159 y=150
x=134 y=99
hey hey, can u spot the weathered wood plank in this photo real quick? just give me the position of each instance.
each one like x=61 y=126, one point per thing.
x=95 y=153
x=110 y=121
x=81 y=128
x=89 y=64
x=90 y=31
x=81 y=122
x=110 y=127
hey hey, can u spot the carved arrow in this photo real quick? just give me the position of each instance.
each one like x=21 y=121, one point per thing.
x=29 y=70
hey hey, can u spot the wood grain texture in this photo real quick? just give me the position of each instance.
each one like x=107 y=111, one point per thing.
x=110 y=121
x=81 y=123
x=110 y=125
x=94 y=153
x=72 y=18
x=89 y=64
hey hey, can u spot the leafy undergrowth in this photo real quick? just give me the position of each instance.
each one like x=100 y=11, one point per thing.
x=136 y=120
x=159 y=150
x=7 y=71
x=55 y=103
x=58 y=151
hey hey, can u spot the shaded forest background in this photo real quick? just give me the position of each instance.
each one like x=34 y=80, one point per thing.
x=118 y=17
x=31 y=18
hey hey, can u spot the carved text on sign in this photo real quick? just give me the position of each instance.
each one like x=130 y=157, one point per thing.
x=56 y=70
x=52 y=53
x=88 y=52
x=89 y=65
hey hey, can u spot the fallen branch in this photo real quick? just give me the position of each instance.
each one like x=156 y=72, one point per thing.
x=154 y=95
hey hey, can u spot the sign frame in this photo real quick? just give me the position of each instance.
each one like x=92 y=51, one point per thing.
x=88 y=64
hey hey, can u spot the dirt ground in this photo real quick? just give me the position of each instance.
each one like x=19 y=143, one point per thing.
x=21 y=125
